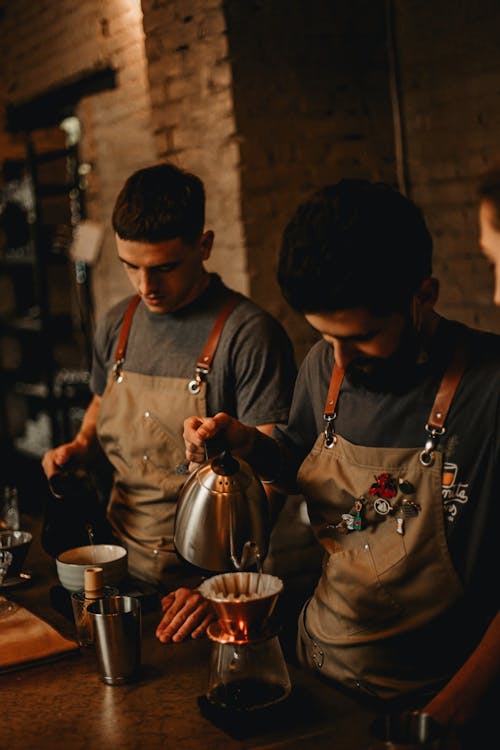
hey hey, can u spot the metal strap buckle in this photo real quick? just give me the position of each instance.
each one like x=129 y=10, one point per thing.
x=194 y=386
x=329 y=431
x=117 y=370
x=427 y=455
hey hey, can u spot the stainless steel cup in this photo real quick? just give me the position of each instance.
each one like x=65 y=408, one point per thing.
x=116 y=625
x=407 y=730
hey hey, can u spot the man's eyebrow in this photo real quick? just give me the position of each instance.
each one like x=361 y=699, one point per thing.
x=127 y=262
x=359 y=336
x=167 y=264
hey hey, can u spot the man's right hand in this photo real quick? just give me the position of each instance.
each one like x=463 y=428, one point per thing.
x=197 y=430
x=77 y=452
x=68 y=454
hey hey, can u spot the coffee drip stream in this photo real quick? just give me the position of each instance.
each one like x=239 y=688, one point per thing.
x=247 y=667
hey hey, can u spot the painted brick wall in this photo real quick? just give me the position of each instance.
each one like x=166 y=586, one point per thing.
x=51 y=42
x=312 y=105
x=191 y=91
x=450 y=78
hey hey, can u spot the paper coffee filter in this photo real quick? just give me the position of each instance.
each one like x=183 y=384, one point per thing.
x=237 y=585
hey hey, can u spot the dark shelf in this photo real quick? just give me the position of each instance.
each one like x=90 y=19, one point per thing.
x=43 y=344
x=45 y=191
x=22 y=325
x=46 y=156
x=32 y=390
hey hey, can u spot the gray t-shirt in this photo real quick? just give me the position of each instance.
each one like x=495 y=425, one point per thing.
x=253 y=371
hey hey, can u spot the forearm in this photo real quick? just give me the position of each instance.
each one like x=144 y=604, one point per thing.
x=269 y=460
x=460 y=698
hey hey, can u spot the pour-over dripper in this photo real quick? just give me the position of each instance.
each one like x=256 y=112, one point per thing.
x=243 y=602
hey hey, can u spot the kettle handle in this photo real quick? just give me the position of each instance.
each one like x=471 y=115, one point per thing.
x=214 y=446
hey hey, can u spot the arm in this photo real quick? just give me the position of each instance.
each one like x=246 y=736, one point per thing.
x=275 y=497
x=80 y=449
x=460 y=699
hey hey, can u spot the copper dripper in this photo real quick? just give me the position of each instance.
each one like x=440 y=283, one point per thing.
x=243 y=604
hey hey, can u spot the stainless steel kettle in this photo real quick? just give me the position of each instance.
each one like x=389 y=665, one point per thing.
x=222 y=518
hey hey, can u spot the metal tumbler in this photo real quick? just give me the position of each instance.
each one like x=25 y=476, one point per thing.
x=116 y=622
x=407 y=730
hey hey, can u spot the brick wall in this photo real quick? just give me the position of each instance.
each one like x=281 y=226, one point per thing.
x=191 y=89
x=449 y=59
x=52 y=42
x=312 y=105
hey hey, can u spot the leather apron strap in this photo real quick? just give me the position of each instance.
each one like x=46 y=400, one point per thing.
x=440 y=408
x=204 y=364
x=205 y=360
x=124 y=333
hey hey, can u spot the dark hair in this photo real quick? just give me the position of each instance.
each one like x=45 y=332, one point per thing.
x=489 y=190
x=354 y=244
x=160 y=203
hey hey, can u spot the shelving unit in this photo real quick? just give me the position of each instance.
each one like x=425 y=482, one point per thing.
x=46 y=313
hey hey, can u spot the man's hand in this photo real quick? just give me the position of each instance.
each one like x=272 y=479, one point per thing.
x=80 y=449
x=73 y=453
x=197 y=430
x=186 y=613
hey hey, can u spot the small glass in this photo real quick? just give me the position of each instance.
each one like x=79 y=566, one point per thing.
x=9 y=509
x=6 y=607
x=83 y=622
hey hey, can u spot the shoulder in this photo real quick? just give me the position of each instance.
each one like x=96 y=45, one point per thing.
x=109 y=324
x=483 y=347
x=115 y=314
x=319 y=359
x=249 y=322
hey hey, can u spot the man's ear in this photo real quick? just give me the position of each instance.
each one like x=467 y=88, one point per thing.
x=423 y=302
x=206 y=243
x=427 y=294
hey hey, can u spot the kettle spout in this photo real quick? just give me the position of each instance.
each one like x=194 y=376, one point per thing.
x=250 y=554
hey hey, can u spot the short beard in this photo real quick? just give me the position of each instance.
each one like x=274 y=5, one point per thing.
x=394 y=374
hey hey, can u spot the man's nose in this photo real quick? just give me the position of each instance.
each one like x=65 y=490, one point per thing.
x=146 y=281
x=344 y=353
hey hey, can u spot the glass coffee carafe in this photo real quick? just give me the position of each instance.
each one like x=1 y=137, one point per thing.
x=247 y=666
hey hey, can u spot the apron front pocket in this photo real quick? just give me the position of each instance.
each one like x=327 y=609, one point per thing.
x=353 y=590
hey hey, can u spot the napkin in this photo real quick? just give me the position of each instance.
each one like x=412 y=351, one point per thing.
x=26 y=639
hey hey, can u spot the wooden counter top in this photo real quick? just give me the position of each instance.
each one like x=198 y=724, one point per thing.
x=64 y=706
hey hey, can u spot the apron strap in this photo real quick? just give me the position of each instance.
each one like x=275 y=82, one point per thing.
x=447 y=389
x=205 y=360
x=124 y=332
x=435 y=424
x=440 y=408
x=208 y=353
x=333 y=391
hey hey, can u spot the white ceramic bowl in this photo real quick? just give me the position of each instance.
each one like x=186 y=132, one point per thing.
x=71 y=564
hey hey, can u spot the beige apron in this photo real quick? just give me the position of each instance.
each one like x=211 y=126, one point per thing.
x=140 y=426
x=387 y=572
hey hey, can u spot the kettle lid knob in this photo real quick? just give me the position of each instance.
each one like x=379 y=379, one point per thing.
x=225 y=464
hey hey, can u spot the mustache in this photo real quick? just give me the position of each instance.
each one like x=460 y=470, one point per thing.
x=395 y=373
